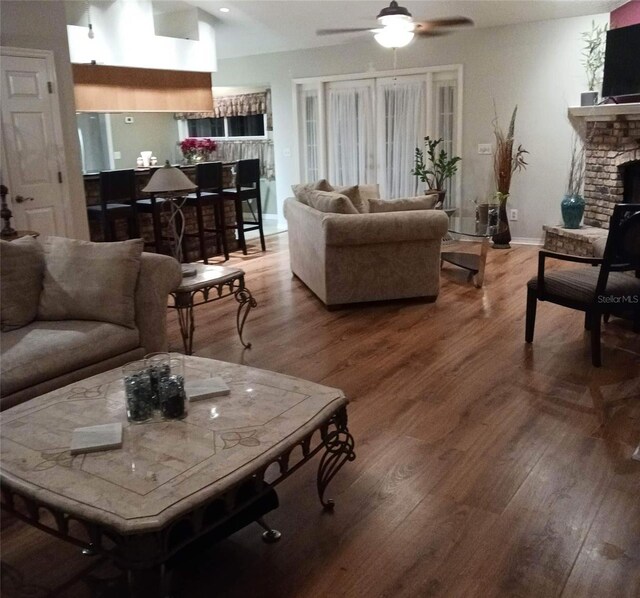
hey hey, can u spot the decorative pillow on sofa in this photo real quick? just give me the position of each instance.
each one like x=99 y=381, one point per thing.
x=331 y=202
x=353 y=193
x=421 y=202
x=21 y=273
x=301 y=191
x=368 y=192
x=90 y=281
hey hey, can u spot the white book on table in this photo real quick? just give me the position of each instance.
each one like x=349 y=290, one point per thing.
x=96 y=438
x=209 y=388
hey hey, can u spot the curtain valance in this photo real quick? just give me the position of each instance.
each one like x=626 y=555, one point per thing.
x=240 y=105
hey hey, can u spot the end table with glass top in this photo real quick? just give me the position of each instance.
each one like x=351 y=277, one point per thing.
x=473 y=262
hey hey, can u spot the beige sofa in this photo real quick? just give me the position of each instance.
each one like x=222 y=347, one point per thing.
x=363 y=256
x=46 y=354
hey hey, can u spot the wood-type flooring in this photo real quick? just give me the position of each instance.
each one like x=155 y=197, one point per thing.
x=485 y=467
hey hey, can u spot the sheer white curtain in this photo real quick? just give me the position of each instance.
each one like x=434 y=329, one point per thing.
x=404 y=113
x=351 y=129
x=310 y=134
x=445 y=92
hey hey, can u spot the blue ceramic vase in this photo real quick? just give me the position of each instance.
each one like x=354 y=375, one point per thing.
x=572 y=207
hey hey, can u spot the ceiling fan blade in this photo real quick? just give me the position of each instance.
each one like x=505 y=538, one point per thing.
x=334 y=31
x=427 y=33
x=431 y=24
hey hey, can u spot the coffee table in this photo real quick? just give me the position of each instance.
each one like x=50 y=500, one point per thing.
x=210 y=283
x=171 y=482
x=473 y=262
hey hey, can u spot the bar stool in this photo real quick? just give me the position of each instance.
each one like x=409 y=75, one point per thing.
x=209 y=193
x=247 y=188
x=117 y=201
x=153 y=205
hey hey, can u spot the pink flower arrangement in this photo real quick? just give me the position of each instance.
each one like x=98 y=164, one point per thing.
x=197 y=148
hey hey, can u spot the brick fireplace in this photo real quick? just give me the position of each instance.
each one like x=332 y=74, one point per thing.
x=611 y=135
x=612 y=150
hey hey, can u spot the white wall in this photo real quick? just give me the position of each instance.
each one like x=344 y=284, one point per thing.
x=125 y=36
x=535 y=65
x=154 y=131
x=42 y=25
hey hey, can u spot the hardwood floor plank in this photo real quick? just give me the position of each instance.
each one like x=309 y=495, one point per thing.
x=609 y=562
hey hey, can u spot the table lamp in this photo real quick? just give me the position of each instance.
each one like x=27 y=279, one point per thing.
x=172 y=183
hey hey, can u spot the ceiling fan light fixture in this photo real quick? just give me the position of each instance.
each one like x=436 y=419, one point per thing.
x=391 y=37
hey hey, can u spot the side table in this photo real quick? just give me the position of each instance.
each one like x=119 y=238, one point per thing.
x=474 y=263
x=209 y=284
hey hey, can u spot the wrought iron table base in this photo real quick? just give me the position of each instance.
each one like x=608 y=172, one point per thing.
x=185 y=301
x=144 y=556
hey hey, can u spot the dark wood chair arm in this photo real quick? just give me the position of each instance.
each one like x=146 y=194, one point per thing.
x=543 y=254
x=594 y=261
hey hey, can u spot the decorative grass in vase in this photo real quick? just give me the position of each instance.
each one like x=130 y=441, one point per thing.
x=506 y=161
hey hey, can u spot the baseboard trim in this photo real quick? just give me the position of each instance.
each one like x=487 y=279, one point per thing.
x=528 y=241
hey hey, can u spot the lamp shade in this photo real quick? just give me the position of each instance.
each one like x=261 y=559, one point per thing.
x=169 y=179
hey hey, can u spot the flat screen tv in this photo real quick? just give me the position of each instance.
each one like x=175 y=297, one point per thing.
x=622 y=62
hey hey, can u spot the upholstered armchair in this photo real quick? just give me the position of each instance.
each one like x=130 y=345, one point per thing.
x=607 y=285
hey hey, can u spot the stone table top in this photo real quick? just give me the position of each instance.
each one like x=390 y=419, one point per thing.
x=205 y=275
x=164 y=468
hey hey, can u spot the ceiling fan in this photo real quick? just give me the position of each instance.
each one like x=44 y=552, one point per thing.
x=397 y=27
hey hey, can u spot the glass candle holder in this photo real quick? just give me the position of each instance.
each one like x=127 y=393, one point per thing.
x=137 y=391
x=173 y=398
x=159 y=368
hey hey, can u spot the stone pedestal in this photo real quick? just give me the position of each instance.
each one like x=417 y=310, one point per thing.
x=577 y=241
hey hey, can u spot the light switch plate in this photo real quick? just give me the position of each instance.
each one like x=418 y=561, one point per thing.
x=117 y=156
x=485 y=148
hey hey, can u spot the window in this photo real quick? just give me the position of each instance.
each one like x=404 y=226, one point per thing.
x=231 y=126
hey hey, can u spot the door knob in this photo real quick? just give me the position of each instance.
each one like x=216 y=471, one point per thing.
x=20 y=199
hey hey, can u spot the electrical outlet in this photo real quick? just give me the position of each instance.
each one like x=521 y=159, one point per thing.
x=485 y=148
x=117 y=156
x=513 y=214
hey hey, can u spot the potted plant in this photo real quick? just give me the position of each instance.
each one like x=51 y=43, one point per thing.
x=439 y=168
x=506 y=161
x=593 y=61
x=572 y=205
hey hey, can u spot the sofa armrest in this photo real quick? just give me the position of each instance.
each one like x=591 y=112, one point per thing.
x=159 y=275
x=384 y=227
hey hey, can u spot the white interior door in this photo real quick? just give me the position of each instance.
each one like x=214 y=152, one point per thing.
x=32 y=143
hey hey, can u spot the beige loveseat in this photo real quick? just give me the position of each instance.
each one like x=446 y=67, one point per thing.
x=78 y=317
x=364 y=254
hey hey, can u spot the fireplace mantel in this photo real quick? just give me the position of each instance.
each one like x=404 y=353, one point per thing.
x=606 y=112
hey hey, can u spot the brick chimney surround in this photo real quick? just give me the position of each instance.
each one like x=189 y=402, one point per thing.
x=611 y=135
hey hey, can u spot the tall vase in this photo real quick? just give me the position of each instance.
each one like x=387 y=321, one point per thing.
x=502 y=238
x=572 y=208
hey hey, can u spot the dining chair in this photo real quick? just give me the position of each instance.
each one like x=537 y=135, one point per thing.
x=610 y=285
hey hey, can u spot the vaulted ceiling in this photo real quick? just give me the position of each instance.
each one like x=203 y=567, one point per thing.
x=262 y=26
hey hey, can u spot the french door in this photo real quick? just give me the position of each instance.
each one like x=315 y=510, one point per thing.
x=366 y=129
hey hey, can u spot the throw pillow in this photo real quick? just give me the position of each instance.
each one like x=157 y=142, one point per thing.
x=422 y=202
x=353 y=193
x=21 y=273
x=301 y=191
x=331 y=202
x=368 y=192
x=90 y=281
